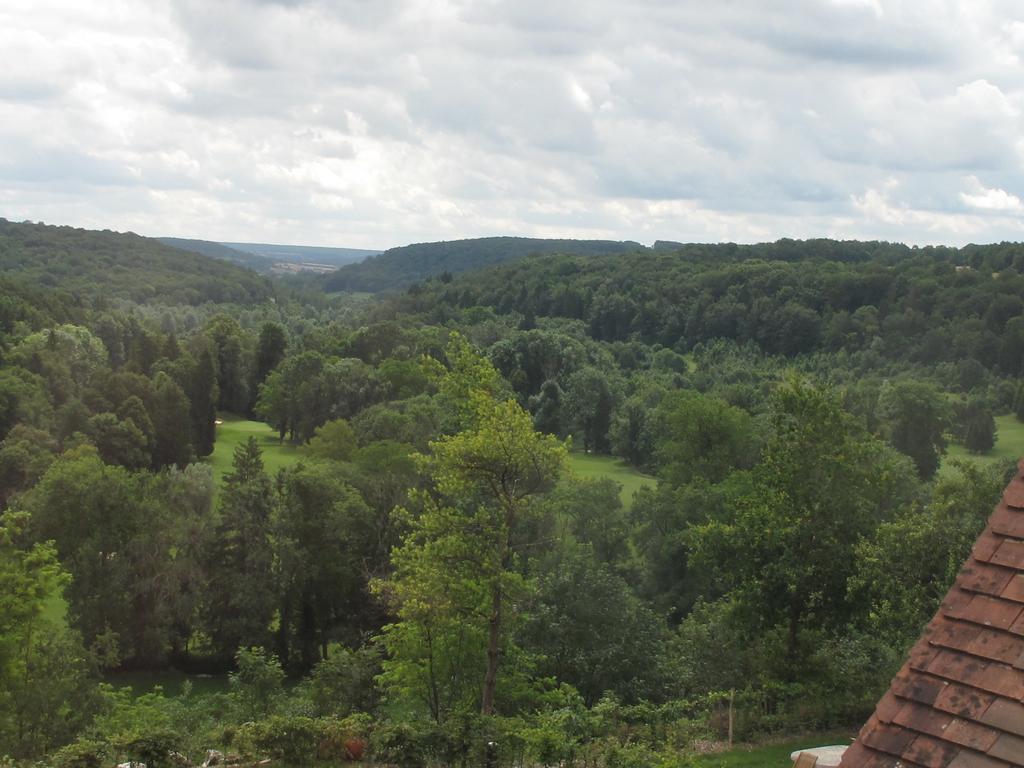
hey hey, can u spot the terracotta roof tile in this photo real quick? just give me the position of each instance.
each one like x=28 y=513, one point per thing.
x=949 y=633
x=924 y=690
x=964 y=701
x=888 y=738
x=956 y=667
x=1008 y=716
x=971 y=760
x=1018 y=626
x=958 y=702
x=923 y=719
x=984 y=578
x=1015 y=589
x=1008 y=522
x=1009 y=748
x=992 y=611
x=858 y=753
x=956 y=601
x=1014 y=493
x=1010 y=554
x=971 y=735
x=1003 y=680
x=986 y=546
x=922 y=655
x=888 y=707
x=932 y=753
x=995 y=646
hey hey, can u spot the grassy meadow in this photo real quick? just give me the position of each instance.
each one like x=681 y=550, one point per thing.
x=276 y=455
x=235 y=430
x=588 y=465
x=1009 y=444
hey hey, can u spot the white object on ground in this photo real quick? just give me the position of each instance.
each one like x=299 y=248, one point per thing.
x=828 y=757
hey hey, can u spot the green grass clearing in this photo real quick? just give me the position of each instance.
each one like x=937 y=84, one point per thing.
x=774 y=755
x=592 y=466
x=1009 y=444
x=170 y=681
x=233 y=431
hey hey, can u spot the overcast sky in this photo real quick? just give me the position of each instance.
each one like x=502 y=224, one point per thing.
x=372 y=123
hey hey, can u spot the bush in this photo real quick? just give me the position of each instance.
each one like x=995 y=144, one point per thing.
x=344 y=682
x=84 y=753
x=258 y=683
x=152 y=747
x=408 y=745
x=291 y=739
x=342 y=739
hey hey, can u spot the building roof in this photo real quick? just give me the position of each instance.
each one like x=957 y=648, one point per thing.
x=958 y=701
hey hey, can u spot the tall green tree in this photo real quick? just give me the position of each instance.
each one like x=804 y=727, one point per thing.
x=202 y=396
x=588 y=405
x=978 y=426
x=786 y=548
x=234 y=361
x=170 y=413
x=323 y=537
x=700 y=436
x=125 y=539
x=906 y=566
x=271 y=347
x=915 y=418
x=590 y=630
x=241 y=552
x=458 y=564
x=119 y=442
x=46 y=690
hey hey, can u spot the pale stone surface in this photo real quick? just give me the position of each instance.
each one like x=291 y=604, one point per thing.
x=828 y=757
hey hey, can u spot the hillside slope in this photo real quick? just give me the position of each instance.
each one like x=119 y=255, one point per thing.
x=94 y=264
x=220 y=251
x=398 y=268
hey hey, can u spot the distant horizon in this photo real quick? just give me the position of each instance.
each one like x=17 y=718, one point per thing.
x=649 y=244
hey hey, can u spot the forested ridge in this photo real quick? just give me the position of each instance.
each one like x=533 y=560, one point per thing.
x=396 y=268
x=429 y=574
x=122 y=266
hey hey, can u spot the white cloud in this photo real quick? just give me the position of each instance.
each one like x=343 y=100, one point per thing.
x=378 y=123
x=989 y=199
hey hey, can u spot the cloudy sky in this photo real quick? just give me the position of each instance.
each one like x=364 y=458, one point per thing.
x=372 y=123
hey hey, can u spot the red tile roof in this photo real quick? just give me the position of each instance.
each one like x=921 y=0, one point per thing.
x=958 y=702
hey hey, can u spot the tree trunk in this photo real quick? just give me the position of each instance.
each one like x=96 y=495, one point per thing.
x=793 y=638
x=493 y=648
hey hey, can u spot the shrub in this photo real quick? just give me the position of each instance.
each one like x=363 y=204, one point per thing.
x=407 y=745
x=291 y=739
x=152 y=747
x=344 y=682
x=84 y=753
x=258 y=683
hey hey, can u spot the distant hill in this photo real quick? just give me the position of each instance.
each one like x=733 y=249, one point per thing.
x=268 y=258
x=398 y=268
x=220 y=251
x=304 y=254
x=93 y=264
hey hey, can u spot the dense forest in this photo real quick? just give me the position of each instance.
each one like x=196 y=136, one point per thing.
x=399 y=267
x=430 y=574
